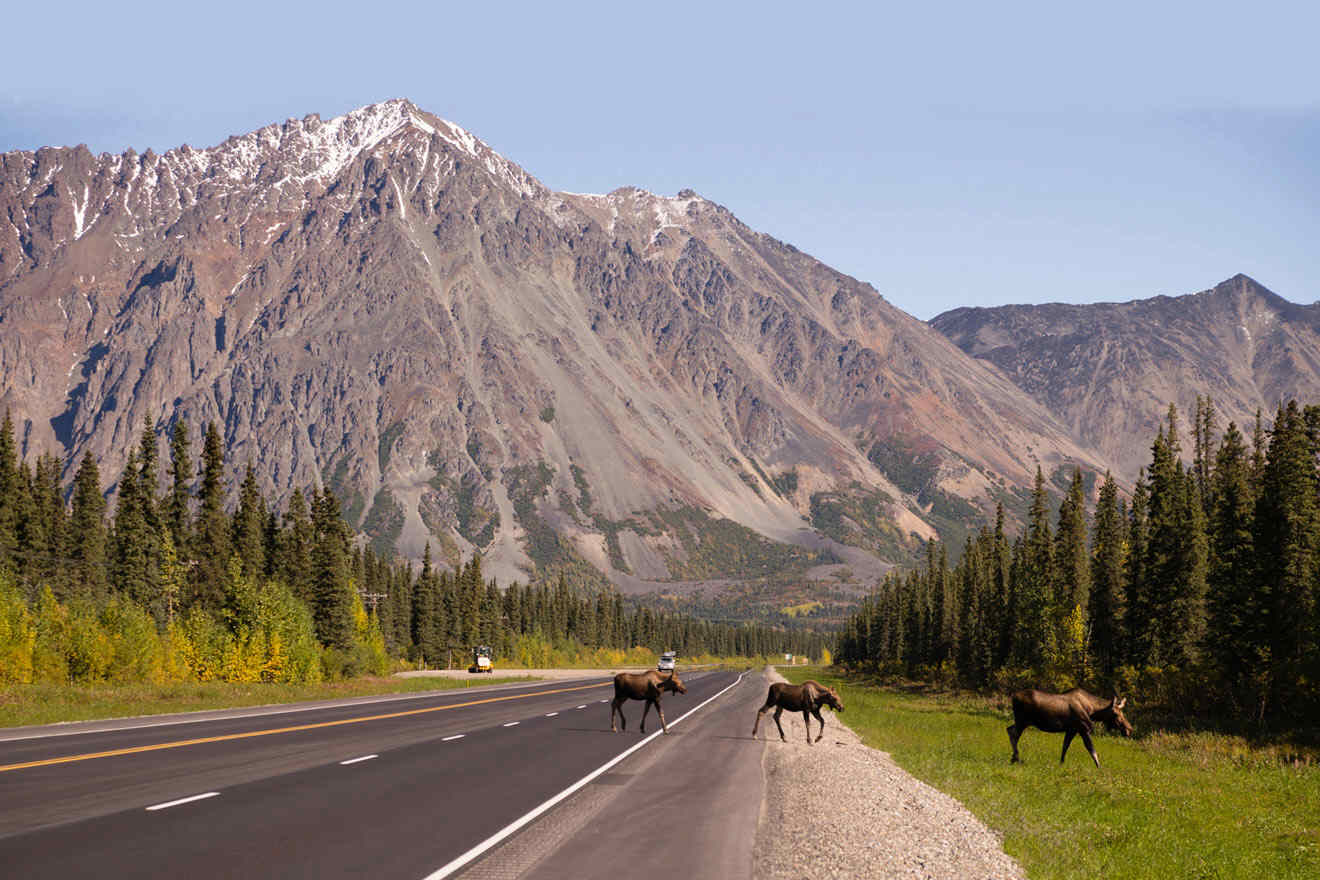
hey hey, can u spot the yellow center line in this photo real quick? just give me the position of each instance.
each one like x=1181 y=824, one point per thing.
x=67 y=759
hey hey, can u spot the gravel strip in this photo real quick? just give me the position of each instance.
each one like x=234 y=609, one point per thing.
x=840 y=809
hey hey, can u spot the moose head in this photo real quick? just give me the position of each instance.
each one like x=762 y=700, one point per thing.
x=1114 y=716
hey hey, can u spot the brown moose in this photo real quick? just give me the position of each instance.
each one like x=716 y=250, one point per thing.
x=806 y=698
x=1073 y=713
x=643 y=686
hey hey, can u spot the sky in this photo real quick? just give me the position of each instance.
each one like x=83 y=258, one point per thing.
x=950 y=155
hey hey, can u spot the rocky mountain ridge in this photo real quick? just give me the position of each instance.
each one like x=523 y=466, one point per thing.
x=1110 y=370
x=625 y=386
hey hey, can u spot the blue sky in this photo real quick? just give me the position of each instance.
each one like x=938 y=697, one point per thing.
x=950 y=155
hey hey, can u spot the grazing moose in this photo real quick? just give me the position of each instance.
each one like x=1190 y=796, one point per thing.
x=806 y=698
x=1071 y=714
x=643 y=686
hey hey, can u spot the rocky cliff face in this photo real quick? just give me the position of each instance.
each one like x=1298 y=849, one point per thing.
x=1110 y=370
x=629 y=383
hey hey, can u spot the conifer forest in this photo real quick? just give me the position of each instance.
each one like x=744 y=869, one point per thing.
x=1197 y=592
x=173 y=587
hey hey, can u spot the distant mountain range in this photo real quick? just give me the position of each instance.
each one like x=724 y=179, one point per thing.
x=1110 y=370
x=622 y=387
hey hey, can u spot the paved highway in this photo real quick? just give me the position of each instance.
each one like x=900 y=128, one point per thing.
x=406 y=786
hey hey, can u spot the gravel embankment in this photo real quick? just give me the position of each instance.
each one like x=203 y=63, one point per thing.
x=837 y=809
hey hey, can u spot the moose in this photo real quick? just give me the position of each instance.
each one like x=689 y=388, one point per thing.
x=643 y=686
x=806 y=698
x=1073 y=713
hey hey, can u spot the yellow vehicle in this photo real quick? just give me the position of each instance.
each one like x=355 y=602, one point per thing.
x=481 y=661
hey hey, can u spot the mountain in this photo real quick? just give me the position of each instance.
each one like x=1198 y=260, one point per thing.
x=1110 y=370
x=626 y=386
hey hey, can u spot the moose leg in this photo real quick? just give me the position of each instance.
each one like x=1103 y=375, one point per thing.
x=659 y=710
x=779 y=710
x=644 y=711
x=1067 y=741
x=1014 y=733
x=816 y=712
x=1086 y=741
x=616 y=705
x=759 y=713
x=806 y=719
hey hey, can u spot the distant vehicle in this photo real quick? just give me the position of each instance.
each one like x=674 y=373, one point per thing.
x=667 y=661
x=481 y=659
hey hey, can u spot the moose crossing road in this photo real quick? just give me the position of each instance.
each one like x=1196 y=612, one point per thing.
x=407 y=786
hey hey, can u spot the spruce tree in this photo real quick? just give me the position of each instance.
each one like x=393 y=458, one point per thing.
x=9 y=496
x=1286 y=534
x=1034 y=641
x=48 y=542
x=1237 y=619
x=129 y=560
x=1071 y=560
x=249 y=525
x=87 y=534
x=423 y=610
x=1108 y=591
x=149 y=479
x=178 y=513
x=294 y=556
x=1203 y=433
x=1140 y=622
x=211 y=535
x=332 y=595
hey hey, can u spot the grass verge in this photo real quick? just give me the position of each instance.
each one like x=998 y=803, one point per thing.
x=1162 y=805
x=26 y=704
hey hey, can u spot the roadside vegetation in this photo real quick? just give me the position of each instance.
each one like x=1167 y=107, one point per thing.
x=174 y=594
x=1197 y=597
x=1163 y=805
x=22 y=705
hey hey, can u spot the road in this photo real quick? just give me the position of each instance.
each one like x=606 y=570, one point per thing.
x=403 y=786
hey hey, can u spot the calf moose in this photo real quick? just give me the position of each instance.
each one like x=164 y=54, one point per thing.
x=806 y=698
x=646 y=686
x=1071 y=713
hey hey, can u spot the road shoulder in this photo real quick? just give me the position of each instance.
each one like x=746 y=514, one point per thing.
x=839 y=809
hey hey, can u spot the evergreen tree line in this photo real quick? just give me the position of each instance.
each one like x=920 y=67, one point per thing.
x=1199 y=592
x=183 y=564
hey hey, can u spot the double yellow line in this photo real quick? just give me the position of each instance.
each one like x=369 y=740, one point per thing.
x=68 y=759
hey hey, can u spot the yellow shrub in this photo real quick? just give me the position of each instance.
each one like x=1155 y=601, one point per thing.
x=18 y=635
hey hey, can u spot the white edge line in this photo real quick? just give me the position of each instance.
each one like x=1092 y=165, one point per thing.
x=489 y=842
x=455 y=736
x=196 y=797
x=356 y=760
x=513 y=724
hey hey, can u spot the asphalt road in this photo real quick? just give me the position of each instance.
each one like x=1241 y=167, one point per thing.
x=399 y=787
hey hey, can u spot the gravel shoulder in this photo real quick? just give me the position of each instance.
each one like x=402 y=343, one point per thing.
x=838 y=809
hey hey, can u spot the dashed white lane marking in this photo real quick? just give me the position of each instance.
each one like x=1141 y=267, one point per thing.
x=551 y=714
x=488 y=843
x=355 y=760
x=196 y=797
x=583 y=706
x=513 y=724
x=604 y=701
x=455 y=736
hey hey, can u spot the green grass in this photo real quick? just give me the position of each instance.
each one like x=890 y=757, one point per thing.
x=1162 y=805
x=46 y=703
